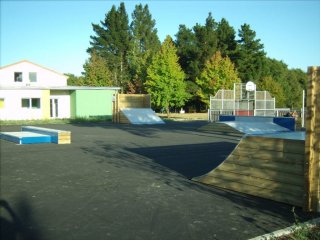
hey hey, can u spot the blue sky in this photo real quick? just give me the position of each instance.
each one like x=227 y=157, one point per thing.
x=56 y=34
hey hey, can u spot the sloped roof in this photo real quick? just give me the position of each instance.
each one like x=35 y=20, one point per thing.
x=58 y=88
x=26 y=61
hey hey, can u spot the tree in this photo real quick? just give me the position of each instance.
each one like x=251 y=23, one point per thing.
x=187 y=51
x=274 y=88
x=165 y=79
x=96 y=72
x=226 y=39
x=112 y=42
x=145 y=43
x=296 y=83
x=219 y=73
x=195 y=46
x=75 y=80
x=207 y=40
x=250 y=57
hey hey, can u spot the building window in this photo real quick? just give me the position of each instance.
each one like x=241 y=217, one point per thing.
x=32 y=76
x=25 y=103
x=18 y=76
x=35 y=102
x=30 y=103
x=1 y=103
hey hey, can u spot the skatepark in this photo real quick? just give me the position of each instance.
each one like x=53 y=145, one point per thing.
x=235 y=179
x=131 y=182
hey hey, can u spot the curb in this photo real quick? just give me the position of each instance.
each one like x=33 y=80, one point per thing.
x=287 y=230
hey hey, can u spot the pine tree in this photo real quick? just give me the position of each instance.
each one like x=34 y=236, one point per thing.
x=226 y=39
x=250 y=57
x=218 y=73
x=145 y=43
x=165 y=80
x=207 y=40
x=195 y=47
x=112 y=42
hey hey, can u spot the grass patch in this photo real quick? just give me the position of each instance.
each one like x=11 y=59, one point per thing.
x=301 y=231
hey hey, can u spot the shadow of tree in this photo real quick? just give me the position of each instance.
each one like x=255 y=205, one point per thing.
x=18 y=223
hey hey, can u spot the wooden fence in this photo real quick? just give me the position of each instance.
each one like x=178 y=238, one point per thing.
x=122 y=101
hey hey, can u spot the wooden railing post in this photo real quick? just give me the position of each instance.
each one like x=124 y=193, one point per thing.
x=312 y=143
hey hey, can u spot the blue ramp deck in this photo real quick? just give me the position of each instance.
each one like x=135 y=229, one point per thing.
x=25 y=137
x=259 y=125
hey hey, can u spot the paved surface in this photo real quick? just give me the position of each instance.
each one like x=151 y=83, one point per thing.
x=128 y=182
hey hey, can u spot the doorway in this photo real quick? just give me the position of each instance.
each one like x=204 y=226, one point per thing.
x=54 y=110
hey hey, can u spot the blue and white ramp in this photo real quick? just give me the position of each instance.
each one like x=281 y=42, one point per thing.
x=259 y=125
x=31 y=135
x=141 y=116
x=25 y=137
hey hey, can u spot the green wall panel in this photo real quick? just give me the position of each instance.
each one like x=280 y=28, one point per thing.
x=92 y=103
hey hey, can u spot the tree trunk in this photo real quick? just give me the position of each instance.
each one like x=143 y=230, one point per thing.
x=168 y=111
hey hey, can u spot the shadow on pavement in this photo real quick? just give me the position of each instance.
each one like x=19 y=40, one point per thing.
x=18 y=224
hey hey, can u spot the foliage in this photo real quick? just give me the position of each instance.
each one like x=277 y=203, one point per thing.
x=96 y=72
x=74 y=80
x=249 y=55
x=274 y=88
x=218 y=73
x=226 y=39
x=195 y=46
x=112 y=42
x=129 y=49
x=145 y=43
x=165 y=80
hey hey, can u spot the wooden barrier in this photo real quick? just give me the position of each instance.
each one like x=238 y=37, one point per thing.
x=271 y=168
x=128 y=101
x=312 y=145
x=57 y=136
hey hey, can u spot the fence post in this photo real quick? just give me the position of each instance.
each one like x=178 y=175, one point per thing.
x=312 y=142
x=302 y=111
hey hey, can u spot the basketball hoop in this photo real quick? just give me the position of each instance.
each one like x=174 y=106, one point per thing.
x=250 y=86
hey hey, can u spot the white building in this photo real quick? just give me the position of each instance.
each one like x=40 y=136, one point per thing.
x=31 y=91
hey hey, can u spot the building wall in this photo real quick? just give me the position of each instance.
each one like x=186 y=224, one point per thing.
x=92 y=103
x=44 y=76
x=13 y=109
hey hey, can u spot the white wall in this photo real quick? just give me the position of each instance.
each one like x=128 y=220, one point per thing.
x=45 y=77
x=12 y=105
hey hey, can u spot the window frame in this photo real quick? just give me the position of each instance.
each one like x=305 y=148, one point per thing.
x=25 y=102
x=33 y=75
x=37 y=105
x=18 y=76
x=31 y=103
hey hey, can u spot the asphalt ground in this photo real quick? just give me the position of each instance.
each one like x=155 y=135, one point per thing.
x=128 y=182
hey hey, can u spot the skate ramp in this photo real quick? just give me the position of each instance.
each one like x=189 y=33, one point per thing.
x=259 y=125
x=140 y=116
x=266 y=167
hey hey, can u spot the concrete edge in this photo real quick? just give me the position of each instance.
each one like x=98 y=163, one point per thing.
x=287 y=230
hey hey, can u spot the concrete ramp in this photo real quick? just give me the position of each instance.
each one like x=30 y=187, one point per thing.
x=141 y=116
x=259 y=125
